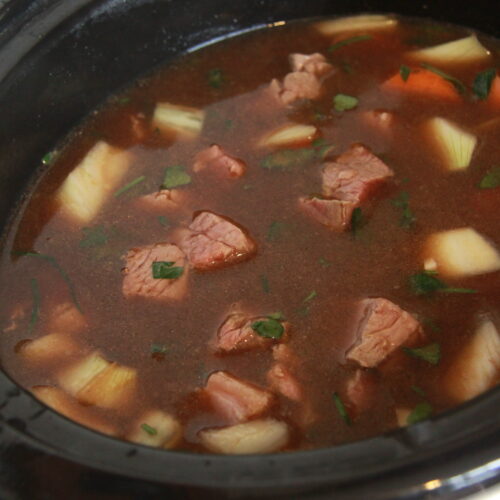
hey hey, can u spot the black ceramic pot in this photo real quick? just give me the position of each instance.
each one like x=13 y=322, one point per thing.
x=58 y=60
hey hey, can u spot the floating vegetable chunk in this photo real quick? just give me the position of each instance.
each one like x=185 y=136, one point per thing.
x=92 y=182
x=182 y=120
x=54 y=346
x=475 y=369
x=257 y=436
x=356 y=23
x=464 y=50
x=77 y=376
x=156 y=428
x=454 y=144
x=290 y=134
x=462 y=252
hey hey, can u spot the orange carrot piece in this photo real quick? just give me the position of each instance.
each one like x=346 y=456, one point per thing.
x=423 y=82
x=494 y=96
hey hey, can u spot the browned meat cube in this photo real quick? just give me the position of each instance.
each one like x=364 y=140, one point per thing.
x=361 y=391
x=163 y=201
x=335 y=214
x=316 y=63
x=296 y=85
x=383 y=328
x=216 y=160
x=139 y=281
x=281 y=379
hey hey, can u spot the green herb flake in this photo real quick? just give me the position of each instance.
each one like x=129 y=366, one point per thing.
x=339 y=404
x=276 y=230
x=35 y=309
x=418 y=390
x=357 y=221
x=163 y=221
x=158 y=349
x=482 y=83
x=449 y=78
x=93 y=237
x=347 y=68
x=122 y=101
x=278 y=316
x=324 y=262
x=47 y=159
x=175 y=176
x=311 y=296
x=348 y=41
x=430 y=353
x=265 y=283
x=344 y=102
x=269 y=328
x=166 y=271
x=215 y=78
x=407 y=218
x=228 y=124
x=421 y=412
x=129 y=186
x=404 y=71
x=150 y=430
x=491 y=179
x=426 y=283
x=287 y=158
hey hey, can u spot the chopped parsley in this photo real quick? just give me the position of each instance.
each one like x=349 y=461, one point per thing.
x=163 y=221
x=129 y=186
x=275 y=231
x=158 y=349
x=269 y=328
x=311 y=296
x=35 y=309
x=265 y=283
x=150 y=430
x=277 y=316
x=421 y=412
x=339 y=404
x=407 y=218
x=491 y=179
x=449 y=78
x=349 y=41
x=344 y=102
x=357 y=221
x=430 y=353
x=418 y=390
x=93 y=237
x=404 y=71
x=166 y=270
x=482 y=83
x=47 y=159
x=175 y=176
x=426 y=283
x=122 y=101
x=215 y=78
x=324 y=262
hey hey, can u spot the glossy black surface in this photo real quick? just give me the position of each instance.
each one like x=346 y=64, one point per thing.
x=60 y=59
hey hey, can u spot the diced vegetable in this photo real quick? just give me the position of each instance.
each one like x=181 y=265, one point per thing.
x=482 y=83
x=356 y=23
x=491 y=179
x=54 y=346
x=462 y=252
x=464 y=50
x=156 y=428
x=77 y=376
x=92 y=181
x=494 y=96
x=475 y=369
x=256 y=436
x=111 y=388
x=421 y=412
x=182 y=120
x=344 y=102
x=454 y=144
x=290 y=134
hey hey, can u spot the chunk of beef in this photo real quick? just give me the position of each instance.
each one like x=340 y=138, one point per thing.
x=215 y=159
x=163 y=201
x=281 y=379
x=138 y=280
x=354 y=175
x=361 y=391
x=213 y=241
x=316 y=63
x=236 y=334
x=335 y=214
x=383 y=327
x=235 y=399
x=296 y=85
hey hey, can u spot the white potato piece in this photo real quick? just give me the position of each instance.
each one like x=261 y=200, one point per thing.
x=462 y=252
x=54 y=346
x=156 y=428
x=91 y=182
x=464 y=50
x=256 y=436
x=475 y=369
x=289 y=134
x=455 y=145
x=59 y=401
x=362 y=23
x=77 y=376
x=182 y=120
x=402 y=415
x=113 y=387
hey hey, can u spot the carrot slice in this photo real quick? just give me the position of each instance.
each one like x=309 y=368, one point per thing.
x=494 y=96
x=423 y=82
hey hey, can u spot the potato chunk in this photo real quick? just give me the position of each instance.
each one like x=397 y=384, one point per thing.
x=453 y=144
x=53 y=346
x=156 y=428
x=87 y=187
x=363 y=23
x=256 y=436
x=78 y=375
x=462 y=252
x=464 y=50
x=182 y=120
x=475 y=369
x=290 y=134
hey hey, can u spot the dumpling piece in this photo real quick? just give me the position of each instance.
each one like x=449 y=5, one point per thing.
x=461 y=252
x=362 y=23
x=184 y=121
x=156 y=428
x=257 y=436
x=477 y=365
x=92 y=181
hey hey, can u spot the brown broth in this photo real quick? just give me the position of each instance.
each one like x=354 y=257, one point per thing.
x=377 y=262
